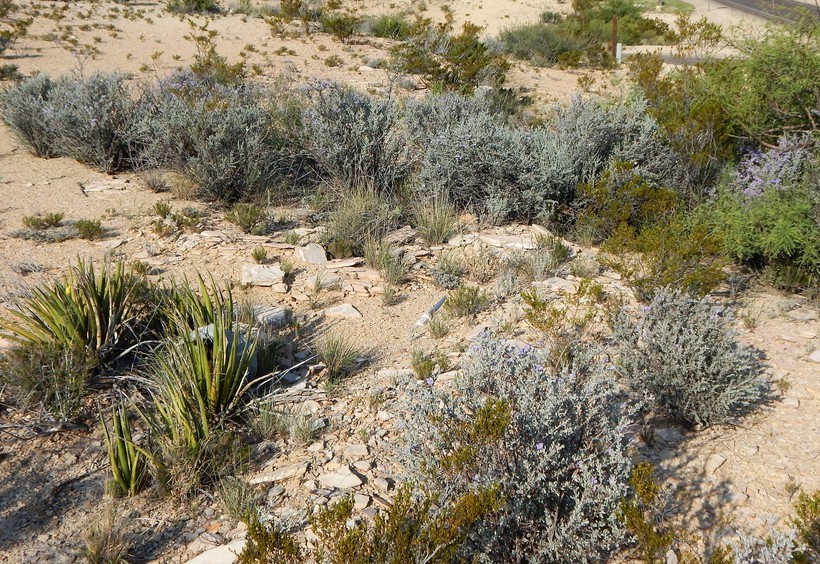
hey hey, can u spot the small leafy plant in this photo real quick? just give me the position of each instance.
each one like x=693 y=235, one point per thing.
x=465 y=301
x=43 y=221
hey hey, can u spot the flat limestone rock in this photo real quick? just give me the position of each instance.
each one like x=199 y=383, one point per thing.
x=272 y=316
x=815 y=356
x=557 y=284
x=225 y=554
x=342 y=479
x=281 y=474
x=344 y=311
x=312 y=253
x=509 y=241
x=261 y=275
x=323 y=281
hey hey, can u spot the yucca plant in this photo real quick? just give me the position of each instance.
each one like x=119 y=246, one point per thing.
x=84 y=309
x=197 y=308
x=129 y=463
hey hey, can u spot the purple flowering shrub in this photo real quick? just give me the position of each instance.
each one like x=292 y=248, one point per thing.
x=551 y=441
x=684 y=357
x=768 y=214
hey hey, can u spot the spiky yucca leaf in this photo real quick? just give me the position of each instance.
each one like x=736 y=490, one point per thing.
x=129 y=463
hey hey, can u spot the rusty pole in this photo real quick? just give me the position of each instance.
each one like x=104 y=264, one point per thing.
x=613 y=44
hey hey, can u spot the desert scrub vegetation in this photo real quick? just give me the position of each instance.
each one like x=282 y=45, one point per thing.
x=517 y=426
x=685 y=356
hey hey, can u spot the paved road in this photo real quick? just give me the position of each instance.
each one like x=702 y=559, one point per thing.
x=787 y=10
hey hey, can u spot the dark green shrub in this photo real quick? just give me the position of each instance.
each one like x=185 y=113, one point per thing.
x=341 y=24
x=359 y=217
x=684 y=355
x=415 y=530
x=249 y=217
x=640 y=513
x=192 y=6
x=807 y=523
x=269 y=543
x=390 y=26
x=514 y=424
x=450 y=62
x=766 y=214
x=90 y=229
x=550 y=44
x=43 y=221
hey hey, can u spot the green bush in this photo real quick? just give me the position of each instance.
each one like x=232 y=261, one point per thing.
x=390 y=26
x=129 y=465
x=450 y=62
x=807 y=523
x=192 y=6
x=416 y=529
x=766 y=214
x=341 y=24
x=551 y=44
x=684 y=355
x=361 y=217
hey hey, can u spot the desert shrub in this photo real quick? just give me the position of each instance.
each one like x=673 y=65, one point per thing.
x=91 y=117
x=237 y=498
x=341 y=24
x=515 y=425
x=641 y=513
x=220 y=136
x=427 y=117
x=90 y=229
x=475 y=164
x=807 y=524
x=54 y=378
x=450 y=62
x=339 y=354
x=191 y=6
x=415 y=530
x=427 y=365
x=208 y=63
x=105 y=313
x=435 y=221
x=465 y=301
x=550 y=44
x=27 y=109
x=45 y=221
x=352 y=138
x=685 y=357
x=362 y=216
x=766 y=213
x=582 y=141
x=249 y=217
x=268 y=542
x=106 y=539
x=390 y=26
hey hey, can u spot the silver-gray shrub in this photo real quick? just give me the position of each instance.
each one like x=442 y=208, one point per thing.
x=583 y=139
x=562 y=462
x=221 y=136
x=354 y=138
x=684 y=356
x=85 y=118
x=91 y=119
x=780 y=547
x=476 y=163
x=27 y=110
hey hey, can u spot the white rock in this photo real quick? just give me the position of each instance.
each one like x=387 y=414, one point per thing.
x=557 y=284
x=802 y=314
x=363 y=465
x=509 y=241
x=225 y=554
x=323 y=280
x=360 y=501
x=714 y=462
x=281 y=474
x=357 y=451
x=382 y=484
x=312 y=253
x=343 y=478
x=793 y=403
x=272 y=316
x=815 y=356
x=261 y=275
x=344 y=311
x=669 y=434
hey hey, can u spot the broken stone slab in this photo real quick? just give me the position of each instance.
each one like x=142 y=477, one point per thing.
x=802 y=314
x=540 y=230
x=360 y=501
x=401 y=236
x=111 y=243
x=369 y=276
x=344 y=263
x=107 y=185
x=343 y=478
x=280 y=474
x=556 y=284
x=815 y=356
x=225 y=554
x=344 y=311
x=272 y=316
x=312 y=254
x=461 y=240
x=261 y=275
x=323 y=281
x=510 y=241
x=357 y=451
x=714 y=462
